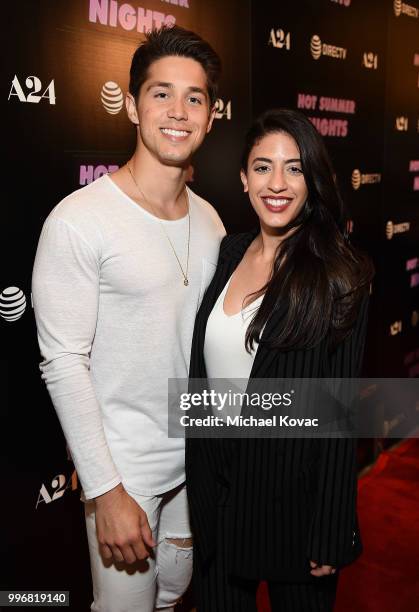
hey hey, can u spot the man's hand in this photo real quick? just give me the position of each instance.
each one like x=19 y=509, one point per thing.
x=122 y=527
x=321 y=570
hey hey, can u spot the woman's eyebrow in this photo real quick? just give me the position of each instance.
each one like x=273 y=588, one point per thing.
x=264 y=159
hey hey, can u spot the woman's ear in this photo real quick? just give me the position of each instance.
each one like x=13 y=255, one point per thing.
x=244 y=180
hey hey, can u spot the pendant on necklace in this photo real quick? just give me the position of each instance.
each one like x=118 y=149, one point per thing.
x=186 y=282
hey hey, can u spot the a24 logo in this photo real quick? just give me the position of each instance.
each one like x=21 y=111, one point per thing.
x=37 y=94
x=402 y=124
x=279 y=39
x=223 y=110
x=370 y=60
x=59 y=485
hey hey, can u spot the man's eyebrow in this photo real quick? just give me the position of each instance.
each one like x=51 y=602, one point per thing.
x=195 y=89
x=159 y=84
x=191 y=89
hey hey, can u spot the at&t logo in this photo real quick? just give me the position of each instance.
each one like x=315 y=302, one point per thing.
x=12 y=304
x=402 y=124
x=356 y=179
x=88 y=174
x=38 y=93
x=318 y=49
x=279 y=39
x=397 y=5
x=112 y=97
x=359 y=179
x=370 y=60
x=223 y=110
x=58 y=486
x=405 y=9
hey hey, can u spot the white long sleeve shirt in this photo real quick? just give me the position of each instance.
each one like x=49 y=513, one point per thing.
x=115 y=322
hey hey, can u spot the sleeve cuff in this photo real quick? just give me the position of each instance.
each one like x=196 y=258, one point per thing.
x=91 y=493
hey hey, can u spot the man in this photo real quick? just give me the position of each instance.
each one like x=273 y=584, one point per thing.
x=121 y=267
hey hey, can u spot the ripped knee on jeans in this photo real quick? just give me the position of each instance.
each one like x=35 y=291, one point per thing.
x=180 y=542
x=174 y=561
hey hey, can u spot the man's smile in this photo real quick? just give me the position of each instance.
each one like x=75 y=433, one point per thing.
x=175 y=135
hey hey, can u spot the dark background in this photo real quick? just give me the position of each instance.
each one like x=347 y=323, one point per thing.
x=43 y=540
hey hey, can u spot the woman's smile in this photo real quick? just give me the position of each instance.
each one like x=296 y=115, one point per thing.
x=276 y=204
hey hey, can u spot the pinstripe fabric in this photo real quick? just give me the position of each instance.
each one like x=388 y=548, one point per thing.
x=215 y=589
x=319 y=596
x=279 y=503
x=218 y=591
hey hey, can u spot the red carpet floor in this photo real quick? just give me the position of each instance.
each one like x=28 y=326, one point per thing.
x=386 y=576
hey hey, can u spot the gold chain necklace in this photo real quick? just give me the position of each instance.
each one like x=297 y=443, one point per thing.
x=184 y=274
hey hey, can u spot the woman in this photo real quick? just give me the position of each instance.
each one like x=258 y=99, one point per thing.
x=287 y=300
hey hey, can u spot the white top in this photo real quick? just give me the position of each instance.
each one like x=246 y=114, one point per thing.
x=224 y=349
x=115 y=321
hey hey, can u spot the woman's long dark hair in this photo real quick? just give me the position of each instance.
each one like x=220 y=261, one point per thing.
x=317 y=272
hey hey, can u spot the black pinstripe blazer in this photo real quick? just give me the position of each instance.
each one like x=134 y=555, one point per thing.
x=285 y=501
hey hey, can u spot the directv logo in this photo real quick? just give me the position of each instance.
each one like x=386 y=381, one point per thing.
x=359 y=179
x=318 y=49
x=396 y=228
x=112 y=97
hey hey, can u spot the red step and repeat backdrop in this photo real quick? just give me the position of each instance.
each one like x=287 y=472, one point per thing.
x=351 y=65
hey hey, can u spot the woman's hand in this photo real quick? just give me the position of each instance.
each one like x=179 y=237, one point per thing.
x=321 y=570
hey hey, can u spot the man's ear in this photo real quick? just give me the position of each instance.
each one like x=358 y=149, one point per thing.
x=131 y=107
x=244 y=181
x=211 y=118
